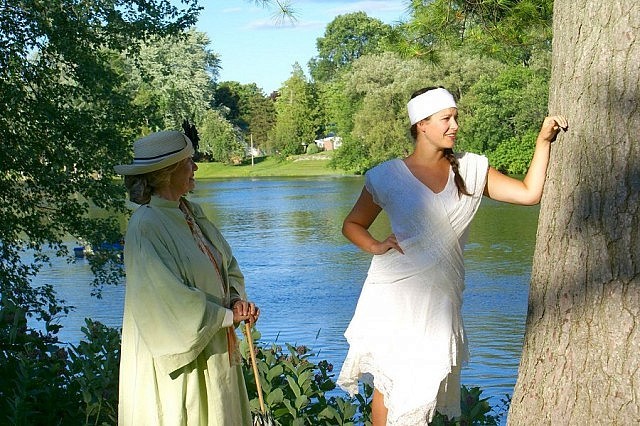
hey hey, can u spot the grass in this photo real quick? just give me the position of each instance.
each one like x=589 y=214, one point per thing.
x=300 y=165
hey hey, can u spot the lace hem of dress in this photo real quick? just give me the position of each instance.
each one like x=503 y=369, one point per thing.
x=353 y=371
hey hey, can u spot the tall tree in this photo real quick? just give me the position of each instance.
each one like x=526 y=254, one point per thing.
x=259 y=112
x=246 y=106
x=296 y=113
x=66 y=120
x=173 y=78
x=220 y=139
x=346 y=38
x=226 y=98
x=580 y=360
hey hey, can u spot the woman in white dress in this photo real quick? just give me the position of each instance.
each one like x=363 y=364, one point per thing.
x=406 y=337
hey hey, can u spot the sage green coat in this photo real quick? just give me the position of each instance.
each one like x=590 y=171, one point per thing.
x=175 y=367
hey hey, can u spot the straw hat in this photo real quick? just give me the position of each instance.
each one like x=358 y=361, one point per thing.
x=157 y=151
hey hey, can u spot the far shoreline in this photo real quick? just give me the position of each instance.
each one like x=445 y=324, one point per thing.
x=295 y=166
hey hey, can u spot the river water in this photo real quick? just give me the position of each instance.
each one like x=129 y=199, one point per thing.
x=306 y=277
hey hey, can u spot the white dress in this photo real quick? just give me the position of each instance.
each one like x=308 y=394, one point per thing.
x=406 y=337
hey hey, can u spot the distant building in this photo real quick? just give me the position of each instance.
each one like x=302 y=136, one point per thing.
x=329 y=143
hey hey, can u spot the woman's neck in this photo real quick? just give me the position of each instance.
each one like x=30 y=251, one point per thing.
x=426 y=155
x=167 y=194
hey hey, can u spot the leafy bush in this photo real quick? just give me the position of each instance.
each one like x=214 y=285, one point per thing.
x=474 y=410
x=296 y=390
x=43 y=383
x=313 y=148
x=514 y=155
x=33 y=378
x=94 y=367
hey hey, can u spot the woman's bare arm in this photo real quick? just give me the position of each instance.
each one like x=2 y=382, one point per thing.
x=356 y=226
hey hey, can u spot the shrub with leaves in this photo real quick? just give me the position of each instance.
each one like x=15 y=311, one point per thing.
x=474 y=410
x=94 y=368
x=44 y=383
x=514 y=154
x=296 y=390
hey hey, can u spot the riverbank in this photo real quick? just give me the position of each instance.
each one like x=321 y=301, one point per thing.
x=295 y=166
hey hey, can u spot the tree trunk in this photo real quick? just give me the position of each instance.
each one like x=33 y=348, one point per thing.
x=581 y=357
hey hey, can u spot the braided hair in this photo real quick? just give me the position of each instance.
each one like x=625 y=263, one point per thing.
x=448 y=152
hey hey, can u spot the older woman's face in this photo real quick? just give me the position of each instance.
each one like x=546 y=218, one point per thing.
x=182 y=180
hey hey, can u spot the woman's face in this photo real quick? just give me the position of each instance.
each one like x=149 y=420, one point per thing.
x=182 y=180
x=441 y=128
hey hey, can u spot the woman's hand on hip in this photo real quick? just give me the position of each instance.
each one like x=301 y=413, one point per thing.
x=384 y=246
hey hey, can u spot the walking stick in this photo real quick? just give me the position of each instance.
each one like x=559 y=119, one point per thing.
x=262 y=418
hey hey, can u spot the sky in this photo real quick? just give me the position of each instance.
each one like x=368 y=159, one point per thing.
x=256 y=47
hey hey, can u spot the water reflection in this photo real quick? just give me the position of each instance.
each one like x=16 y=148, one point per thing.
x=306 y=277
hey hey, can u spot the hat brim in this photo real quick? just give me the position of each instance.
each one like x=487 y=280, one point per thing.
x=142 y=168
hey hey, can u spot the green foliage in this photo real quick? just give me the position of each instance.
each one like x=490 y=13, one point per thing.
x=380 y=86
x=514 y=155
x=94 y=368
x=346 y=38
x=246 y=107
x=296 y=112
x=474 y=411
x=260 y=115
x=44 y=383
x=296 y=390
x=338 y=106
x=172 y=78
x=352 y=156
x=511 y=31
x=497 y=108
x=219 y=140
x=34 y=387
x=67 y=119
x=226 y=98
x=313 y=148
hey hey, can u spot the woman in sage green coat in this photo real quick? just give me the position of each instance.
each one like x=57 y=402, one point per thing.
x=184 y=293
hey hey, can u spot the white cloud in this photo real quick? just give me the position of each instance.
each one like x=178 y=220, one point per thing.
x=231 y=10
x=369 y=7
x=270 y=24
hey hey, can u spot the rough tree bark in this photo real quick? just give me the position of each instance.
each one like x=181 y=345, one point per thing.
x=581 y=357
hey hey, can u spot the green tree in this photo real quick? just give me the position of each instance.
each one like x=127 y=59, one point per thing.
x=512 y=31
x=500 y=107
x=66 y=120
x=219 y=139
x=380 y=85
x=377 y=88
x=246 y=106
x=226 y=98
x=296 y=116
x=260 y=113
x=173 y=78
x=346 y=38
x=337 y=106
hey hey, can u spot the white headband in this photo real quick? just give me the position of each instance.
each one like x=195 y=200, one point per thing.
x=427 y=103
